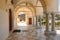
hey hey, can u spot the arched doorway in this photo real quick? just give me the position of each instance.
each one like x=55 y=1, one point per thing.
x=22 y=18
x=10 y=20
x=30 y=20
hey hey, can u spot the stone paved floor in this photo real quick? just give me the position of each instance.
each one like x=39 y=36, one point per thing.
x=32 y=34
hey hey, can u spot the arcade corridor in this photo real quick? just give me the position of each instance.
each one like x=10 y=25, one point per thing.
x=29 y=20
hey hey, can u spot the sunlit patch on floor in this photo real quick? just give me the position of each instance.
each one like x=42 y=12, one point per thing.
x=58 y=31
x=22 y=23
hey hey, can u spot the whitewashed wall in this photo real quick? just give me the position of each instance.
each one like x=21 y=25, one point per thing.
x=4 y=25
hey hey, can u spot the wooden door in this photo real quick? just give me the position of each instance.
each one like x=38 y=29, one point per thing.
x=10 y=20
x=30 y=20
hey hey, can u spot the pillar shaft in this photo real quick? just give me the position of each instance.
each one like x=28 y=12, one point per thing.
x=47 y=22
x=33 y=20
x=36 y=20
x=53 y=22
x=40 y=21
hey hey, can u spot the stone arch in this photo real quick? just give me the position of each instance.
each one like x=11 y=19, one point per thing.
x=31 y=6
x=44 y=5
x=41 y=1
x=17 y=11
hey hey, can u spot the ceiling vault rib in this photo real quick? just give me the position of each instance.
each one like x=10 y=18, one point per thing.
x=30 y=6
x=36 y=2
x=24 y=11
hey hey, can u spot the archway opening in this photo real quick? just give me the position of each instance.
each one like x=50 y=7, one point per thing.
x=21 y=19
x=31 y=12
x=23 y=16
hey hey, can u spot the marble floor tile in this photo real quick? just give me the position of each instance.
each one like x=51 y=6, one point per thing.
x=32 y=34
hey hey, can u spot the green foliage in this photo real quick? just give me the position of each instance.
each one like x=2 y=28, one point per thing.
x=44 y=21
x=58 y=23
x=38 y=19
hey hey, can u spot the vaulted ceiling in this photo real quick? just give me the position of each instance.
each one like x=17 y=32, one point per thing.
x=33 y=2
x=36 y=5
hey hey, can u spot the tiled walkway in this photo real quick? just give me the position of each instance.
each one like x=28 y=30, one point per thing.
x=32 y=34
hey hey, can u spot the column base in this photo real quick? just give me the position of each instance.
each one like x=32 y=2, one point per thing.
x=53 y=33
x=46 y=33
x=50 y=33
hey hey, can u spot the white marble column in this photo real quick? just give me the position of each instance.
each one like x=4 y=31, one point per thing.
x=53 y=23
x=33 y=20
x=40 y=21
x=47 y=24
x=36 y=20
